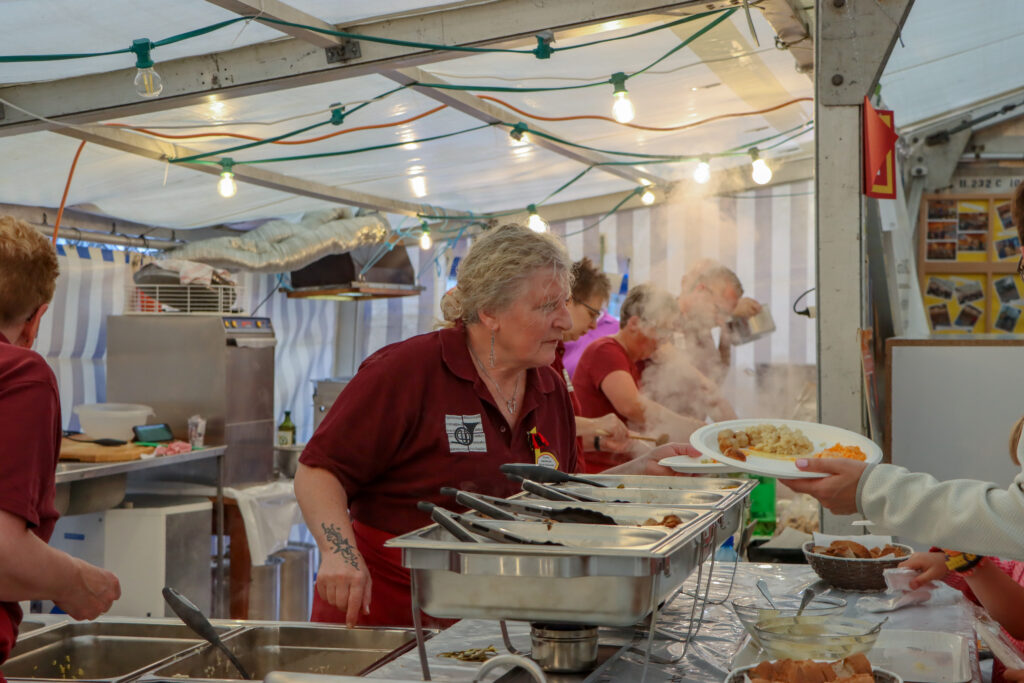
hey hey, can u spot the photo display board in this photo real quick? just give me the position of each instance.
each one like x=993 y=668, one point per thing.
x=967 y=260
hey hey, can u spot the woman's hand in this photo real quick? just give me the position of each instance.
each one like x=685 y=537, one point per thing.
x=614 y=434
x=1016 y=675
x=648 y=462
x=838 y=491
x=746 y=308
x=344 y=581
x=932 y=567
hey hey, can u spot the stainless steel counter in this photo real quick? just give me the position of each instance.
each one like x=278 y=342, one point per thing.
x=69 y=471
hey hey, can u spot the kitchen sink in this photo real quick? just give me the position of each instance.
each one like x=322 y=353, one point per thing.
x=97 y=651
x=333 y=650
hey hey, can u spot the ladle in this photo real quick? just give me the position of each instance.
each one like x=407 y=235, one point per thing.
x=763 y=587
x=197 y=621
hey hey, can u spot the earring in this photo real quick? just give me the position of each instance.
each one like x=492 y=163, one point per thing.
x=492 y=350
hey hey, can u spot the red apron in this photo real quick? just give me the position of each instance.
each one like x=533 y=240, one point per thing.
x=391 y=594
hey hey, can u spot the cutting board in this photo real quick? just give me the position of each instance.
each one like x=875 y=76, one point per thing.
x=90 y=452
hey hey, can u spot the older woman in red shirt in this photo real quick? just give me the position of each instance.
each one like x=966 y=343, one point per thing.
x=445 y=408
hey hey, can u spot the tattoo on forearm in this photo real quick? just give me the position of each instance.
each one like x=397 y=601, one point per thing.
x=340 y=544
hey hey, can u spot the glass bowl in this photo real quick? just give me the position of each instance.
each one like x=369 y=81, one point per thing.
x=817 y=637
x=753 y=608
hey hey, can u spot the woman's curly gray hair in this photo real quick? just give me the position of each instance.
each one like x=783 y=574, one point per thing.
x=490 y=277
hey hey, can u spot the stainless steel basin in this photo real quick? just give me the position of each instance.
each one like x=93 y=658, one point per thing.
x=96 y=651
x=82 y=496
x=297 y=649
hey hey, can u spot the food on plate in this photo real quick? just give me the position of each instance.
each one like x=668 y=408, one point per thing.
x=853 y=669
x=841 y=451
x=854 y=550
x=767 y=440
x=671 y=521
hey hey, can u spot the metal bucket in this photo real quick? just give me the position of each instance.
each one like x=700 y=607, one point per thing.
x=265 y=590
x=296 y=581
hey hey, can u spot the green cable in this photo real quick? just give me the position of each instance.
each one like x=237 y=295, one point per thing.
x=200 y=31
x=346 y=152
x=222 y=152
x=635 y=192
x=686 y=42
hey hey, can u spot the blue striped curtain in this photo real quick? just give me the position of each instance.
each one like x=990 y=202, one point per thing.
x=72 y=336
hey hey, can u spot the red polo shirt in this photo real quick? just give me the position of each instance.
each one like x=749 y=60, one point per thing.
x=415 y=418
x=602 y=357
x=29 y=448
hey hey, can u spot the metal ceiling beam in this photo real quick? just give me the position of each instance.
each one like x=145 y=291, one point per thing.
x=290 y=63
x=484 y=111
x=463 y=101
x=158 y=150
x=794 y=30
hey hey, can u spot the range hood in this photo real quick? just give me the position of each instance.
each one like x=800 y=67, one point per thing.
x=341 y=277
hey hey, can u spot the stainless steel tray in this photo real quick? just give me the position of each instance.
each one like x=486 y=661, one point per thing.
x=320 y=649
x=612 y=581
x=638 y=481
x=98 y=651
x=626 y=514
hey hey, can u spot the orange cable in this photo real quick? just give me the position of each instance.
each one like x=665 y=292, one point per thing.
x=635 y=125
x=304 y=141
x=67 y=186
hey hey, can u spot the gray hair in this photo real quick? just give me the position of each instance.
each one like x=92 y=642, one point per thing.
x=706 y=271
x=490 y=277
x=652 y=305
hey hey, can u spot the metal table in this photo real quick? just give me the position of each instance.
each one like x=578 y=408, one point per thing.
x=72 y=474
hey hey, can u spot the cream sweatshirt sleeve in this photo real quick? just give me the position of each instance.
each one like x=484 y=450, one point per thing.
x=963 y=514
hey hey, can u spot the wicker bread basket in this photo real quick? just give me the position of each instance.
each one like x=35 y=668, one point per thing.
x=853 y=573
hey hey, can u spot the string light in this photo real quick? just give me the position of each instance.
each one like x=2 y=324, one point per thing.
x=536 y=223
x=622 y=109
x=520 y=134
x=226 y=186
x=761 y=174
x=147 y=81
x=425 y=241
x=702 y=174
x=647 y=197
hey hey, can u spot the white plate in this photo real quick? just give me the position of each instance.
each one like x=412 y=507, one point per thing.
x=822 y=436
x=688 y=465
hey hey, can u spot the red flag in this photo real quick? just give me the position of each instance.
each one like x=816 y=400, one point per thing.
x=879 y=152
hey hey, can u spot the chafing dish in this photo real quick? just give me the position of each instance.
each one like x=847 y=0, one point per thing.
x=638 y=481
x=605 y=575
x=98 y=651
x=318 y=649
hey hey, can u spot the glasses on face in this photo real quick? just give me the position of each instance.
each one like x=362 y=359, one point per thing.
x=595 y=313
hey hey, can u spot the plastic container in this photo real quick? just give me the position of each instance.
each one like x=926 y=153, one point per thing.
x=822 y=637
x=752 y=609
x=111 y=420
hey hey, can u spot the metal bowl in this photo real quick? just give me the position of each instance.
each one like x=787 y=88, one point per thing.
x=561 y=648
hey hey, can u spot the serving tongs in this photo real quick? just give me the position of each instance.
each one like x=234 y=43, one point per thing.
x=494 y=533
x=493 y=507
x=551 y=493
x=546 y=475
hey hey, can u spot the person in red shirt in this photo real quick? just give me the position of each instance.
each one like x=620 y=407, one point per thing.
x=591 y=290
x=445 y=408
x=607 y=378
x=31 y=428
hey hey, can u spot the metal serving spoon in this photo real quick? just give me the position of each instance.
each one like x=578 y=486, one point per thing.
x=197 y=621
x=763 y=587
x=805 y=600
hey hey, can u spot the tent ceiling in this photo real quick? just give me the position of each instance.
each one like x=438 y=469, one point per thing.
x=721 y=73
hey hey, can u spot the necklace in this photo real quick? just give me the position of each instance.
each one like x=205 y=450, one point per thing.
x=510 y=403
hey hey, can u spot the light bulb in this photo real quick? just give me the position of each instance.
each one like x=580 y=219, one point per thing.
x=425 y=241
x=623 y=110
x=702 y=174
x=761 y=174
x=647 y=197
x=226 y=186
x=536 y=223
x=148 y=82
